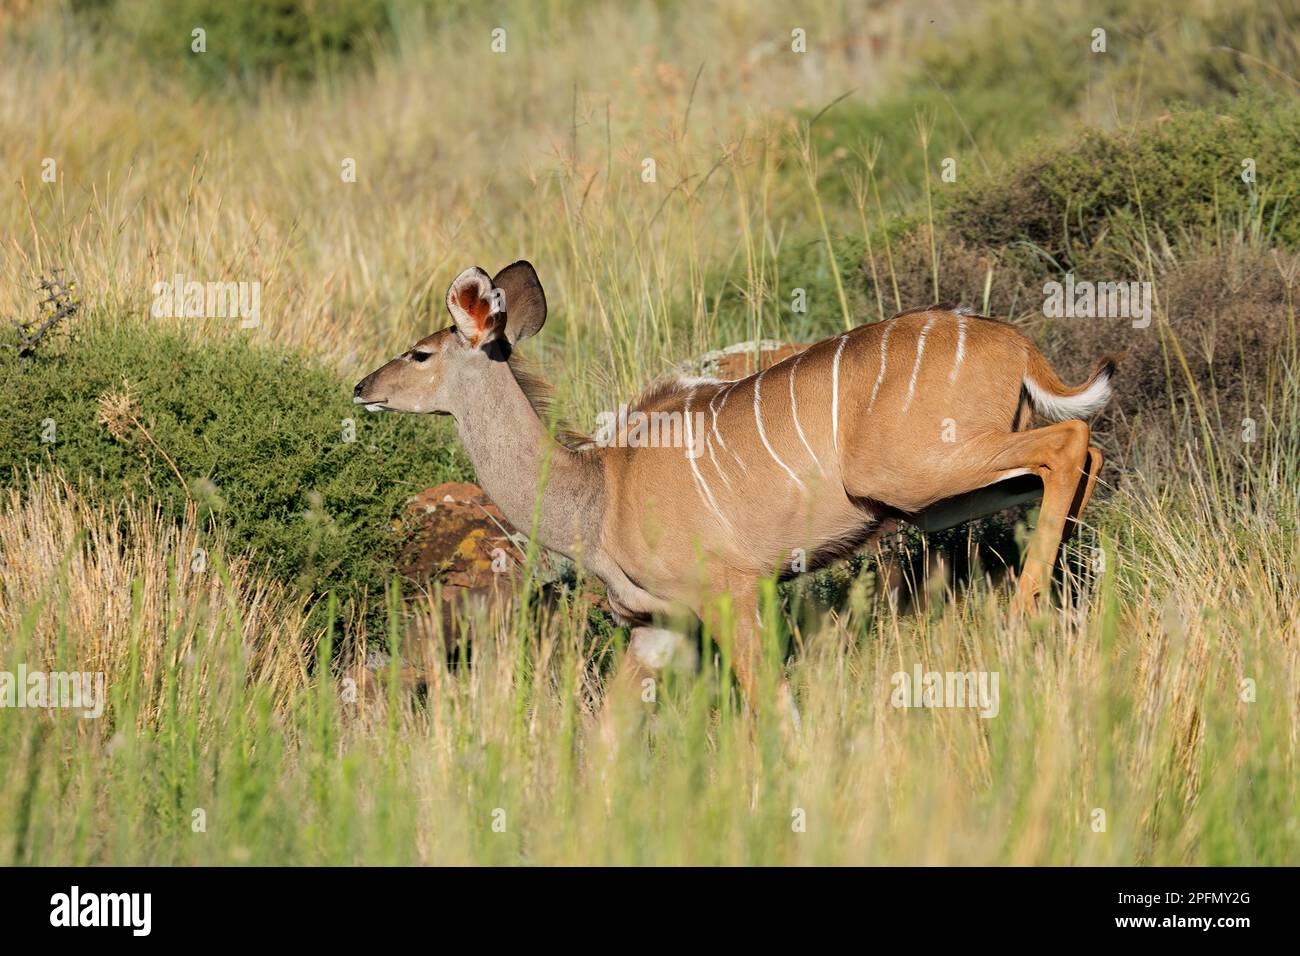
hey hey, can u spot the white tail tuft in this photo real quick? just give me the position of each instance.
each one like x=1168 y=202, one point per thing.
x=1085 y=403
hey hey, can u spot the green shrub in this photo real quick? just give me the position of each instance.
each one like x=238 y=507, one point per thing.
x=256 y=433
x=251 y=39
x=1179 y=174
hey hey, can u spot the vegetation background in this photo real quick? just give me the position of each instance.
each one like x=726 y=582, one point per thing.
x=256 y=712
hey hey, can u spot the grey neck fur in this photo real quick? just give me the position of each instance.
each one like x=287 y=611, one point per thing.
x=510 y=447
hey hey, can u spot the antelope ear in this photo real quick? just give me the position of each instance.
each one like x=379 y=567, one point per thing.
x=525 y=300
x=477 y=309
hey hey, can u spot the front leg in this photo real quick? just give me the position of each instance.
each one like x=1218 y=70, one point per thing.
x=745 y=643
x=740 y=635
x=650 y=650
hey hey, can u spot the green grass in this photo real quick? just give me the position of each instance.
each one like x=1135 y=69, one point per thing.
x=1130 y=703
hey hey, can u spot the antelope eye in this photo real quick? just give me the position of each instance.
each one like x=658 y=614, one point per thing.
x=420 y=356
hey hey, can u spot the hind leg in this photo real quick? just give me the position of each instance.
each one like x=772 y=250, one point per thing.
x=1059 y=454
x=1084 y=491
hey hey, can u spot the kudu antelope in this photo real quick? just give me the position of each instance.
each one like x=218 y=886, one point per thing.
x=922 y=417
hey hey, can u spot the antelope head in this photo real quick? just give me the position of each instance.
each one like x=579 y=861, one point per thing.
x=489 y=315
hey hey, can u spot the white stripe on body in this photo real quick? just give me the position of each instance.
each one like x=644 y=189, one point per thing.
x=726 y=394
x=700 y=484
x=794 y=412
x=961 y=347
x=762 y=434
x=708 y=444
x=916 y=367
x=835 y=392
x=884 y=361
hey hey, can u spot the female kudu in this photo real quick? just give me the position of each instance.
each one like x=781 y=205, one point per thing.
x=918 y=418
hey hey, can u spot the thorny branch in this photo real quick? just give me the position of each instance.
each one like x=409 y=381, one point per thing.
x=59 y=304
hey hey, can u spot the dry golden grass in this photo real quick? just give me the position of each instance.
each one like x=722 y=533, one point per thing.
x=1132 y=699
x=462 y=156
x=128 y=593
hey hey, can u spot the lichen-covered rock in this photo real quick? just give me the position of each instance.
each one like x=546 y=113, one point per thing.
x=461 y=539
x=737 y=361
x=468 y=563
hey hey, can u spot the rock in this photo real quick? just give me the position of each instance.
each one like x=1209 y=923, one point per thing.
x=461 y=539
x=464 y=550
x=737 y=361
x=462 y=543
x=368 y=685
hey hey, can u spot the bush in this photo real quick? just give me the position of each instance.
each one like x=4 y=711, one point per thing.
x=248 y=40
x=1233 y=314
x=1177 y=174
x=256 y=433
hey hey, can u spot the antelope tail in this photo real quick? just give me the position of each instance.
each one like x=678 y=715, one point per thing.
x=1053 y=399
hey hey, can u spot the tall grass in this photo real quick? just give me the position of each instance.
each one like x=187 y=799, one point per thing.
x=1161 y=693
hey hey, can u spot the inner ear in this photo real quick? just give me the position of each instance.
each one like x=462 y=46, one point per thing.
x=478 y=313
